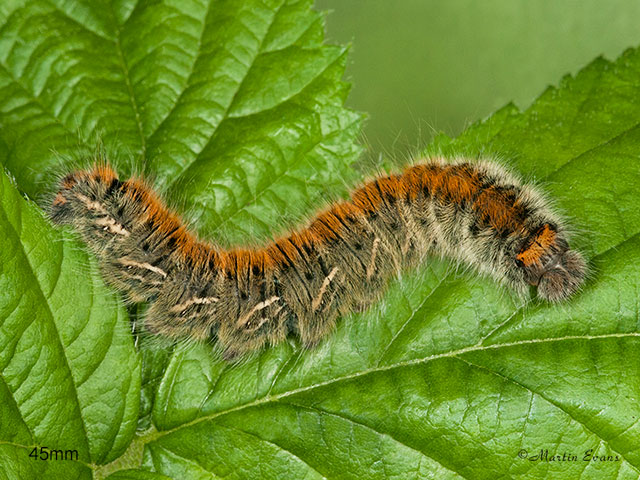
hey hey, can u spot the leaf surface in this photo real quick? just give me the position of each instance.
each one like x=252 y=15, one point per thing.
x=70 y=376
x=236 y=109
x=450 y=377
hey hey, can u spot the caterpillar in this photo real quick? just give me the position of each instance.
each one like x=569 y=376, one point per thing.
x=475 y=212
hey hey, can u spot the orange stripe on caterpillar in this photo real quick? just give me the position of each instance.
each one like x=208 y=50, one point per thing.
x=59 y=200
x=476 y=212
x=541 y=242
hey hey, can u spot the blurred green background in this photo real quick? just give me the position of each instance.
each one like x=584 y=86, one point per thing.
x=420 y=66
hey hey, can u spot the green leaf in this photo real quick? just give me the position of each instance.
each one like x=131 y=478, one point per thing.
x=236 y=108
x=242 y=92
x=136 y=475
x=449 y=377
x=69 y=375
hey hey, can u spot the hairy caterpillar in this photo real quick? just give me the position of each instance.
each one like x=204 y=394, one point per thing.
x=475 y=212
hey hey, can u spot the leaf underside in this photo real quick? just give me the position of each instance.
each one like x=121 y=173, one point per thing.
x=236 y=109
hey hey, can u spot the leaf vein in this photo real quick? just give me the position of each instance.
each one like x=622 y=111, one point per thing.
x=550 y=401
x=405 y=363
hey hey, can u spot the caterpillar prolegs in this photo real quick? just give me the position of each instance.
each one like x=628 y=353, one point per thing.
x=243 y=298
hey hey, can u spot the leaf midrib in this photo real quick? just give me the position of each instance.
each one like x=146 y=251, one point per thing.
x=453 y=354
x=192 y=69
x=406 y=363
x=131 y=93
x=274 y=179
x=184 y=168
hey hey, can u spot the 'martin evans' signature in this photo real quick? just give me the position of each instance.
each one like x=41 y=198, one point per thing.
x=588 y=456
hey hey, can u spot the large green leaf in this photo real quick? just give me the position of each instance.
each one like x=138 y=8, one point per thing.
x=69 y=375
x=243 y=93
x=449 y=376
x=236 y=109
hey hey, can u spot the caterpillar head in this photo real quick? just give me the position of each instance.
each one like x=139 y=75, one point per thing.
x=550 y=265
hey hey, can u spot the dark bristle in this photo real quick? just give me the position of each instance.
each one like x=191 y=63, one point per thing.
x=114 y=185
